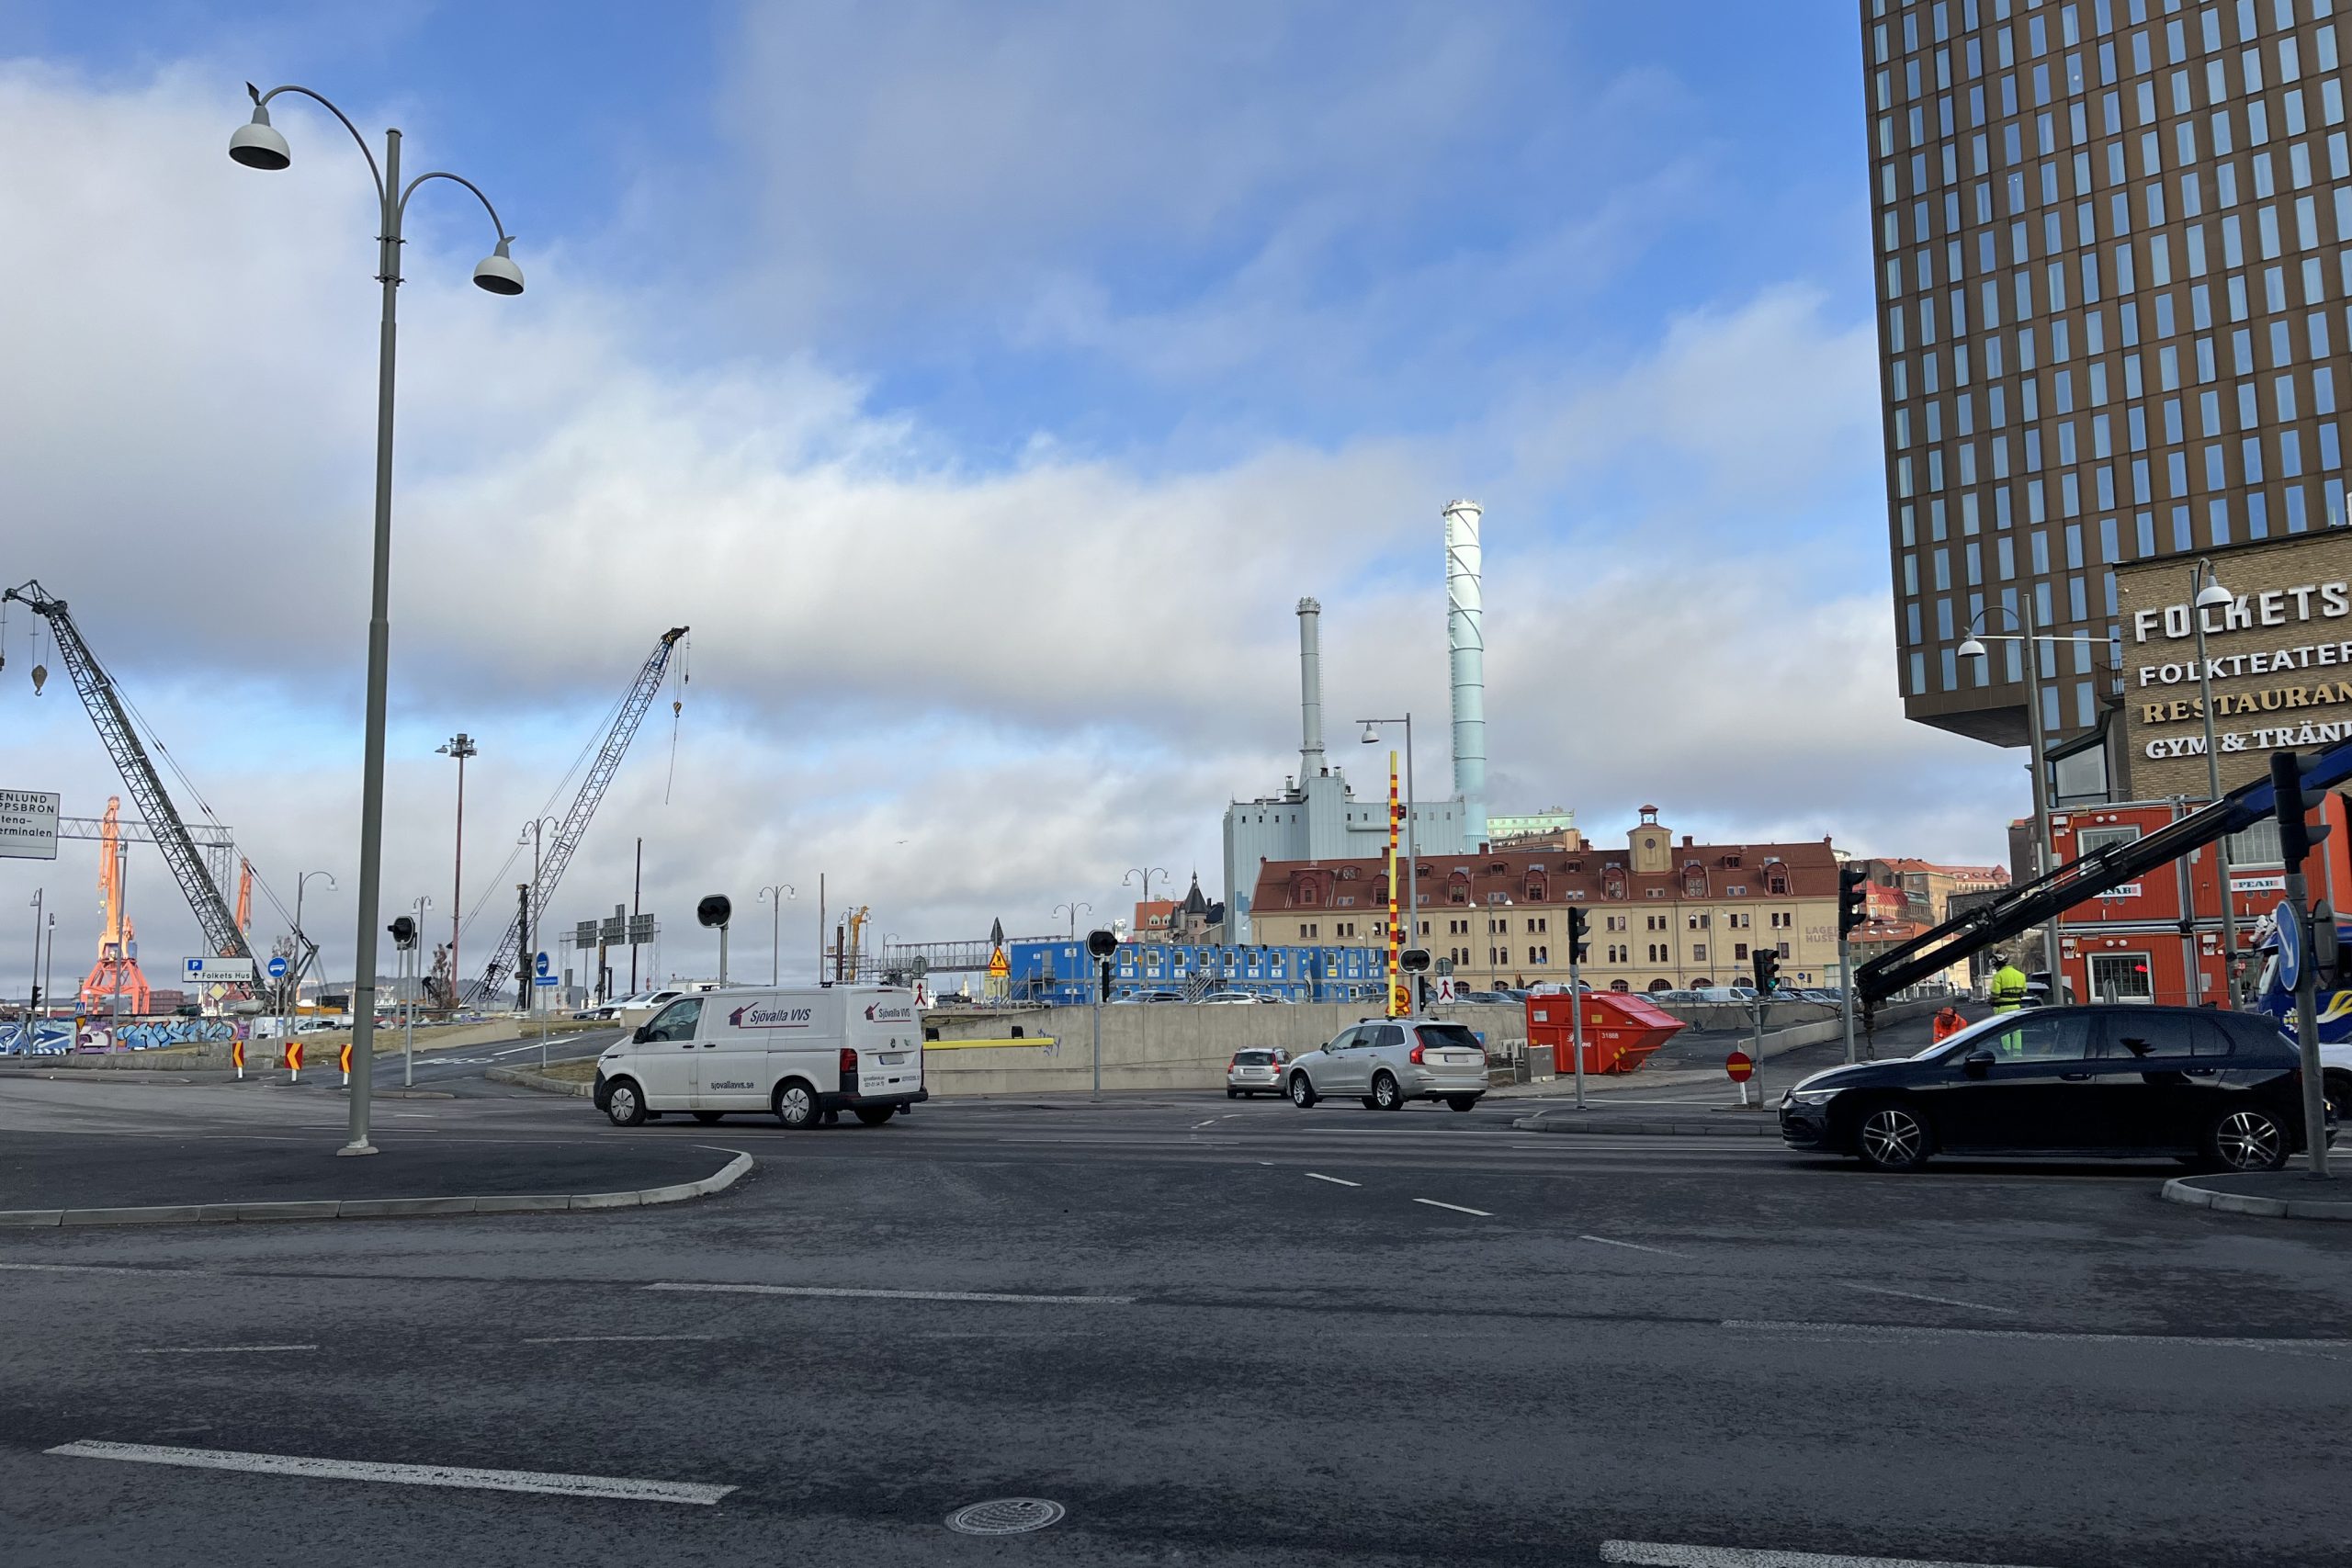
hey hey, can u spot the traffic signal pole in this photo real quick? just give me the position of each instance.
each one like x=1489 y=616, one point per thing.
x=2295 y=840
x=1577 y=926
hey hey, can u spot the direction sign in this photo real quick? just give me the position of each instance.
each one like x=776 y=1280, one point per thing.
x=28 y=824
x=2290 y=921
x=278 y=968
x=1740 y=1065
x=202 y=972
x=542 y=966
x=547 y=980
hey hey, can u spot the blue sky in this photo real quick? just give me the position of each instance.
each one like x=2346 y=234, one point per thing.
x=983 y=382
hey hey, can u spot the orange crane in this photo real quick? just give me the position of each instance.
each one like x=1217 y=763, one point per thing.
x=115 y=979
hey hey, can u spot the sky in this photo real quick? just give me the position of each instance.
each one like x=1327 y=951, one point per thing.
x=983 y=385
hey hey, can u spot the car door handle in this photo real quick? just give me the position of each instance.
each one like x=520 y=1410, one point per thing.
x=2199 y=1072
x=2075 y=1078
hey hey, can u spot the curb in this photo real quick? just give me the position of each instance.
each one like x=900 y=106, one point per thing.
x=1728 y=1127
x=2184 y=1190
x=523 y=1077
x=379 y=1208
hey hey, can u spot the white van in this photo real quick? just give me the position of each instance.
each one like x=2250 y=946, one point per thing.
x=797 y=1052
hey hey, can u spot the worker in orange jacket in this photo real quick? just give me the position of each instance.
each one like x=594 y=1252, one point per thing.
x=1947 y=1023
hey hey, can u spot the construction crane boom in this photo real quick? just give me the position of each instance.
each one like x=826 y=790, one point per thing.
x=221 y=935
x=559 y=852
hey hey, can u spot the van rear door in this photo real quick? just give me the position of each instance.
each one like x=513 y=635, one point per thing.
x=887 y=1040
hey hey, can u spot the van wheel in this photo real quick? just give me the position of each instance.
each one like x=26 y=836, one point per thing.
x=708 y=1118
x=625 y=1105
x=795 y=1104
x=875 y=1115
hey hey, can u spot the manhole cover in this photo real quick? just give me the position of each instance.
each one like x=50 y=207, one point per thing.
x=1005 y=1515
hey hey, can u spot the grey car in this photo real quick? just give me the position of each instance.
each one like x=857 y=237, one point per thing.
x=1385 y=1062
x=1255 y=1070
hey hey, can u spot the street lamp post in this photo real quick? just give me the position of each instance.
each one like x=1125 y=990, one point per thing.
x=258 y=146
x=1412 y=902
x=408 y=1011
x=1145 y=872
x=2208 y=594
x=1072 y=910
x=304 y=946
x=775 y=894
x=537 y=1002
x=459 y=746
x=1974 y=647
x=34 y=984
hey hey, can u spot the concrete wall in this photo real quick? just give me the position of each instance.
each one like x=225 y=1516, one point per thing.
x=1156 y=1045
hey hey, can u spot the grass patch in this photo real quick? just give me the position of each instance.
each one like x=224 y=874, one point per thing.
x=572 y=1072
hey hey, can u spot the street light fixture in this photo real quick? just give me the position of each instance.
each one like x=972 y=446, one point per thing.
x=775 y=894
x=1072 y=910
x=303 y=947
x=260 y=145
x=1974 y=647
x=1412 y=900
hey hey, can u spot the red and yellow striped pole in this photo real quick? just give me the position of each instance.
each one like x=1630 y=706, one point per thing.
x=1397 y=1005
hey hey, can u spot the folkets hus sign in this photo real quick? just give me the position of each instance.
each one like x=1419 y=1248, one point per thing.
x=2278 y=660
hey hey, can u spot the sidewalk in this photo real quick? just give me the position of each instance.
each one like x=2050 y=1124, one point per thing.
x=2290 y=1195
x=72 y=1178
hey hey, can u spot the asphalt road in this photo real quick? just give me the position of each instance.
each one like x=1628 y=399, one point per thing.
x=1214 y=1333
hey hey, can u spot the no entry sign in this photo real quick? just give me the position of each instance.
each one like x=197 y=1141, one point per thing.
x=1740 y=1065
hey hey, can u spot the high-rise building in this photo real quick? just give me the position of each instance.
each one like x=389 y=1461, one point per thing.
x=2112 y=269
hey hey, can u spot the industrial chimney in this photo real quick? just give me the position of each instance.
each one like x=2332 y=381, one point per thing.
x=1466 y=636
x=1310 y=690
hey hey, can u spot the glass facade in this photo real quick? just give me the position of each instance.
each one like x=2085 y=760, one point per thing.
x=2113 y=246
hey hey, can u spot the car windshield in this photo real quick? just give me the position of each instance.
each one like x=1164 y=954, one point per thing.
x=1451 y=1034
x=1253 y=1058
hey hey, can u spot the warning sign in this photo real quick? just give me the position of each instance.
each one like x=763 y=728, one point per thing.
x=998 y=967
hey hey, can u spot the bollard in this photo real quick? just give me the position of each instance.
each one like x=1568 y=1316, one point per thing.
x=237 y=1058
x=343 y=1059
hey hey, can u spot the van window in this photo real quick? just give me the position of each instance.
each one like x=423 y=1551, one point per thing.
x=677 y=1021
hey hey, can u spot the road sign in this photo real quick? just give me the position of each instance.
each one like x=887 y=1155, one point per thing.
x=201 y=972
x=542 y=965
x=998 y=965
x=547 y=980
x=2290 y=943
x=278 y=968
x=28 y=824
x=1740 y=1065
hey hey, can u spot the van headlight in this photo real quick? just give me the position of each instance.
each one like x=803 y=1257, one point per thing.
x=1812 y=1096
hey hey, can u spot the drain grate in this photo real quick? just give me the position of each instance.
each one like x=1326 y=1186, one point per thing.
x=1005 y=1515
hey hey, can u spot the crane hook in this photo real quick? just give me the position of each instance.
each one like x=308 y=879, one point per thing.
x=40 y=677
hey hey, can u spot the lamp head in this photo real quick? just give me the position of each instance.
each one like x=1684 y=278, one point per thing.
x=1971 y=648
x=2213 y=596
x=497 y=273
x=1371 y=733
x=258 y=144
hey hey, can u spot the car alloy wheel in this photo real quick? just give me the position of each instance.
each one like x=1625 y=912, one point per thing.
x=2250 y=1140
x=1302 y=1093
x=1385 y=1093
x=1892 y=1138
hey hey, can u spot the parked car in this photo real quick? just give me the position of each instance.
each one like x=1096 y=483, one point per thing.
x=638 y=1008
x=1255 y=1071
x=2120 y=1082
x=1230 y=999
x=1385 y=1062
x=1148 y=997
x=1490 y=996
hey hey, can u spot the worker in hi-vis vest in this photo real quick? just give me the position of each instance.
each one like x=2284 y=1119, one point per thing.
x=2008 y=987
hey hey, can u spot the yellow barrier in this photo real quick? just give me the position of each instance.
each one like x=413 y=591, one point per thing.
x=982 y=1044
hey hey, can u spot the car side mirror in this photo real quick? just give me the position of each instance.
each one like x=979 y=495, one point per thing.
x=1976 y=1062
x=644 y=1032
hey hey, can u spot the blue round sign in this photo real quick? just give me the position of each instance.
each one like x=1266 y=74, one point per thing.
x=2290 y=921
x=278 y=968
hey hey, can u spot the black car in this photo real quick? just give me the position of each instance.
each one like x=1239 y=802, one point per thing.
x=2117 y=1082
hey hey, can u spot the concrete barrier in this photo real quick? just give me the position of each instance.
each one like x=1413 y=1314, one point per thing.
x=1167 y=1045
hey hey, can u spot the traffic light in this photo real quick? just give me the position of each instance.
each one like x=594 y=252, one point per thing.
x=2326 y=958
x=1579 y=924
x=1768 y=971
x=1853 y=899
x=403 y=931
x=2295 y=803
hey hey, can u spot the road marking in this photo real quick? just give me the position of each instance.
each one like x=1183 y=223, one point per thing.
x=1456 y=1207
x=1660 y=1555
x=618 y=1487
x=1633 y=1246
x=614 y=1339
x=215 y=1349
x=1921 y=1331
x=1915 y=1296
x=893 y=1295
x=1318 y=1176
x=1210 y=1123
x=95 y=1267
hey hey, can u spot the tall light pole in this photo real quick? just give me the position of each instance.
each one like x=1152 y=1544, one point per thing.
x=34 y=984
x=304 y=946
x=1145 y=873
x=1412 y=856
x=258 y=146
x=2205 y=594
x=408 y=1009
x=459 y=746
x=536 y=901
x=775 y=894
x=1072 y=911
x=1974 y=647
x=48 y=962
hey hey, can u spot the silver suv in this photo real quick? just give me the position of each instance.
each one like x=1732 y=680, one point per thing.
x=1385 y=1062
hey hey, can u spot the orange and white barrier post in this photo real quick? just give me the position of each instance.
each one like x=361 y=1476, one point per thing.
x=237 y=1055
x=294 y=1060
x=343 y=1059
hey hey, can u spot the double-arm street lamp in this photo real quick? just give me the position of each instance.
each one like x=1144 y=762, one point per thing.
x=530 y=835
x=775 y=893
x=2205 y=594
x=1072 y=910
x=1145 y=873
x=259 y=145
x=304 y=946
x=1413 y=903
x=1974 y=647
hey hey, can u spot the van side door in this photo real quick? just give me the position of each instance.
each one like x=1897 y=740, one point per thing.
x=664 y=1063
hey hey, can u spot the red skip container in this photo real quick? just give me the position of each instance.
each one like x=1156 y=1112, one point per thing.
x=1621 y=1030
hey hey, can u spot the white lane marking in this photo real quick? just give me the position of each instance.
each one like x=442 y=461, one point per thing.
x=618 y=1487
x=1921 y=1331
x=614 y=1339
x=1661 y=1554
x=1318 y=1176
x=1210 y=1123
x=891 y=1295
x=94 y=1267
x=215 y=1349
x=1633 y=1246
x=1915 y=1296
x=1456 y=1207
